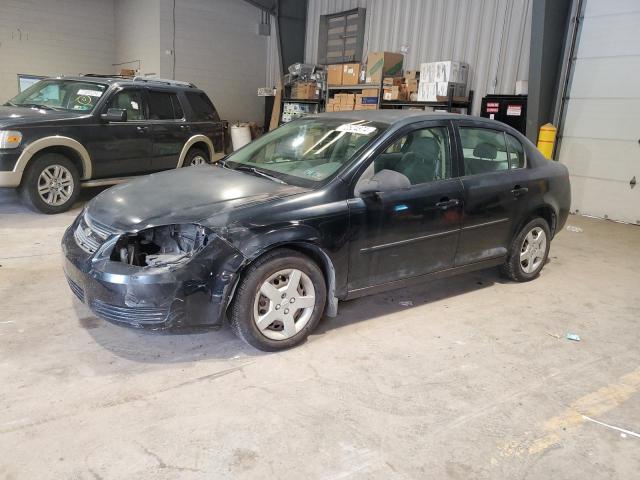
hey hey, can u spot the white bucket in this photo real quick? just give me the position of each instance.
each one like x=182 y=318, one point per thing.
x=240 y=135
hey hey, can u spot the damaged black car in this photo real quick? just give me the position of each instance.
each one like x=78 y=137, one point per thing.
x=328 y=207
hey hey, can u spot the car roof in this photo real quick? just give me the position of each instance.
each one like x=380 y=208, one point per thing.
x=398 y=118
x=115 y=80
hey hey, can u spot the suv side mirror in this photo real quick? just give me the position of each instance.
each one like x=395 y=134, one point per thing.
x=383 y=181
x=114 y=115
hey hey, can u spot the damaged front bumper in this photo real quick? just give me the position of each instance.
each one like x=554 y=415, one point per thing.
x=195 y=293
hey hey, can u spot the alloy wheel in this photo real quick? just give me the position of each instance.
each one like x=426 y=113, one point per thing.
x=284 y=304
x=533 y=249
x=55 y=185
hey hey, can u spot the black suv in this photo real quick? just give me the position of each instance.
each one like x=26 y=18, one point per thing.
x=92 y=130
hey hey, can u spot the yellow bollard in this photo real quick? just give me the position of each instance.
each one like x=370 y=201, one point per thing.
x=546 y=139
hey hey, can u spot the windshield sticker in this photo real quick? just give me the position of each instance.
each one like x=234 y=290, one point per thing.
x=91 y=93
x=359 y=129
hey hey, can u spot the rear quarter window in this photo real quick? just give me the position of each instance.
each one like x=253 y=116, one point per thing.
x=203 y=109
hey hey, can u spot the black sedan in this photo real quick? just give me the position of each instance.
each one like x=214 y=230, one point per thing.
x=326 y=208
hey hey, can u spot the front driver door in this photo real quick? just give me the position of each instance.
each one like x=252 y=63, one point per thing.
x=119 y=149
x=410 y=231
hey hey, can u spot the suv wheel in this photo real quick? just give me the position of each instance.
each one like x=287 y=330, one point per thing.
x=51 y=184
x=279 y=301
x=528 y=252
x=195 y=157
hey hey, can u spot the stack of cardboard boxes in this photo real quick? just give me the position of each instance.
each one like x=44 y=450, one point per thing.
x=401 y=88
x=437 y=79
x=305 y=91
x=367 y=100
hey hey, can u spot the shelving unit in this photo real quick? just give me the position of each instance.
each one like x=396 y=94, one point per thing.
x=353 y=87
x=448 y=105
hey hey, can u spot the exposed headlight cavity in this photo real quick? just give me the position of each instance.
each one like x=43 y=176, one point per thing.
x=160 y=246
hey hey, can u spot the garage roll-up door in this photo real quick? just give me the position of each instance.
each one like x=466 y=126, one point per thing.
x=601 y=130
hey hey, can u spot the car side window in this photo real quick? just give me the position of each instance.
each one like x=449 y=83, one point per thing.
x=203 y=109
x=516 y=152
x=131 y=101
x=422 y=156
x=484 y=150
x=164 y=106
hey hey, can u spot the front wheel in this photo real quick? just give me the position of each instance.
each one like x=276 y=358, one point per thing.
x=529 y=251
x=279 y=301
x=51 y=184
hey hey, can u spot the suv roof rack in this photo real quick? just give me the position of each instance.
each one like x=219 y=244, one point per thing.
x=102 y=75
x=164 y=81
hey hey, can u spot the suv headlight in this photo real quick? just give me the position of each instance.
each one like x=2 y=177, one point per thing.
x=10 y=138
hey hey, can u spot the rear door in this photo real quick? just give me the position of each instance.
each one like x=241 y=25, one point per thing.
x=411 y=231
x=496 y=189
x=203 y=119
x=122 y=148
x=169 y=129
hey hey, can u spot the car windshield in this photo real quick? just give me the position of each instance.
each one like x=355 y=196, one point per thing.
x=306 y=152
x=60 y=94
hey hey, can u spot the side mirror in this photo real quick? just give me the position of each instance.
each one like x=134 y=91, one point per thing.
x=114 y=115
x=383 y=181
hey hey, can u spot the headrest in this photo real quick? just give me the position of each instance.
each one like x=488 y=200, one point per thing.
x=485 y=150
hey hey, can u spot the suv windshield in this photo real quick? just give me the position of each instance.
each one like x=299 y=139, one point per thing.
x=306 y=152
x=60 y=94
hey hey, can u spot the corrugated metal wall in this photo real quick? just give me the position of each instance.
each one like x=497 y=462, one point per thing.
x=493 y=36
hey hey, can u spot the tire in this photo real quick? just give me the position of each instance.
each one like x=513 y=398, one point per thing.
x=62 y=189
x=282 y=326
x=196 y=156
x=528 y=252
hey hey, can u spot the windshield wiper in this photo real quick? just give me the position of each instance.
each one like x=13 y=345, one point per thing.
x=11 y=104
x=255 y=171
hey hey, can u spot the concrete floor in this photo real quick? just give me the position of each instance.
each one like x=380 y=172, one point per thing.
x=468 y=381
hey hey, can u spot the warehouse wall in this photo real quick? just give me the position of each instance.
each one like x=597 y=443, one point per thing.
x=137 y=27
x=491 y=35
x=218 y=48
x=51 y=37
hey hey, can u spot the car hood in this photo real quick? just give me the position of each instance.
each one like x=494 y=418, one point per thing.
x=16 y=116
x=188 y=195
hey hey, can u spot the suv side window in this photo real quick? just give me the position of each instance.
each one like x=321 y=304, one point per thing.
x=164 y=106
x=422 y=156
x=130 y=100
x=203 y=109
x=516 y=152
x=484 y=150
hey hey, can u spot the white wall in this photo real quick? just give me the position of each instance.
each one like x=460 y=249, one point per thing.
x=493 y=36
x=51 y=37
x=218 y=48
x=137 y=35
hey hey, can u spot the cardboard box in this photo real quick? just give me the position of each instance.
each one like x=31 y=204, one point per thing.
x=444 y=71
x=365 y=107
x=380 y=64
x=334 y=74
x=410 y=75
x=370 y=92
x=391 y=81
x=344 y=107
x=369 y=100
x=411 y=84
x=394 y=93
x=347 y=98
x=305 y=91
x=350 y=73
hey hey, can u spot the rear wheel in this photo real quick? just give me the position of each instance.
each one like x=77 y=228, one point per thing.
x=279 y=301
x=51 y=184
x=529 y=251
x=195 y=157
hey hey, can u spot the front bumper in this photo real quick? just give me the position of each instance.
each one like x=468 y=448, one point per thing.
x=194 y=294
x=8 y=160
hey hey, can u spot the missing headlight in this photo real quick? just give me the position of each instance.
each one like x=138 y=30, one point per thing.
x=160 y=246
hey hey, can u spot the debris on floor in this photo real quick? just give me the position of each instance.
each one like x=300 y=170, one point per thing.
x=573 y=229
x=573 y=336
x=553 y=335
x=406 y=303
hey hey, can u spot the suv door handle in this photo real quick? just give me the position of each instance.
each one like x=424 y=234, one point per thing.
x=518 y=191
x=142 y=129
x=445 y=203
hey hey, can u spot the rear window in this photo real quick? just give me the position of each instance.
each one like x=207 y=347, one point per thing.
x=164 y=106
x=203 y=109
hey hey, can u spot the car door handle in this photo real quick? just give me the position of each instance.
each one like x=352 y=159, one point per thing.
x=518 y=191
x=142 y=129
x=445 y=203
